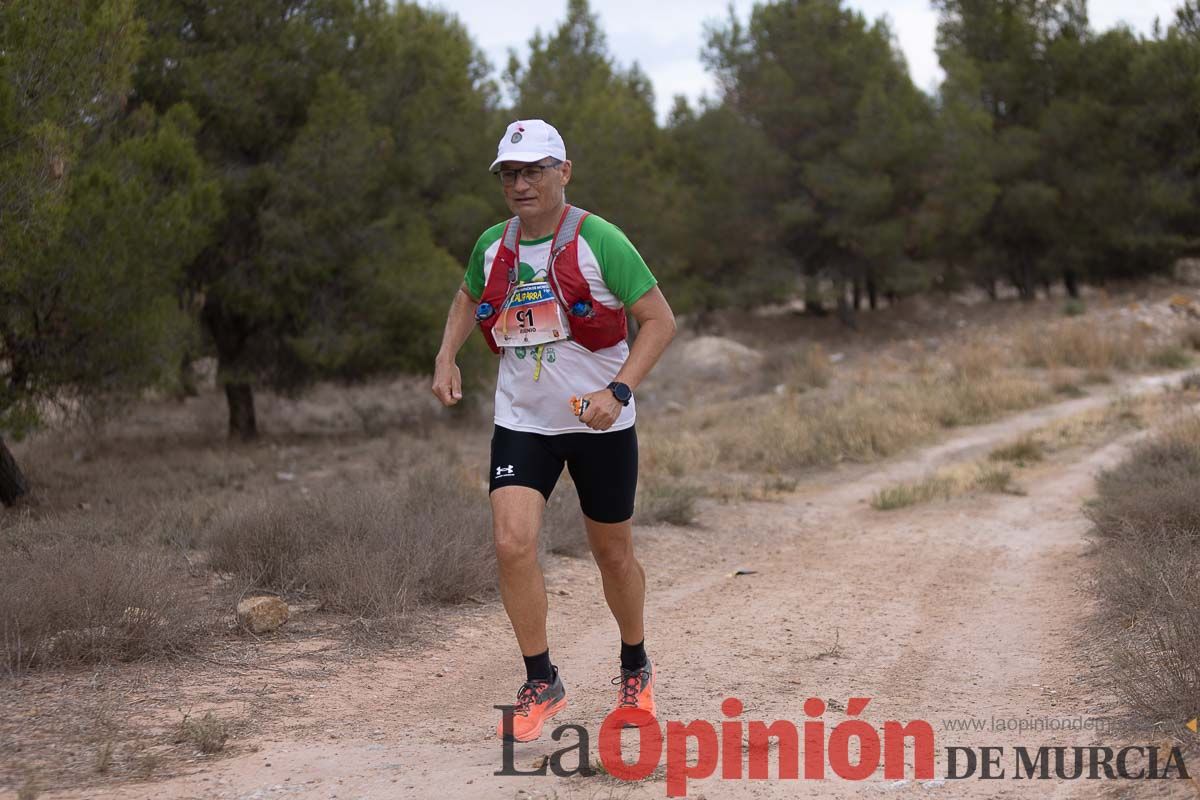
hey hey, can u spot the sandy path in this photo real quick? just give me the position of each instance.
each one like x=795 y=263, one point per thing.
x=959 y=609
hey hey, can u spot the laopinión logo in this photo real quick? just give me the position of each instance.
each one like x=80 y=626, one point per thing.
x=741 y=749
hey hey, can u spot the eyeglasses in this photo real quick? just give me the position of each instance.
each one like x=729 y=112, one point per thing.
x=532 y=174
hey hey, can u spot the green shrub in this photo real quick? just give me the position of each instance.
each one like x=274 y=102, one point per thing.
x=1074 y=307
x=1171 y=357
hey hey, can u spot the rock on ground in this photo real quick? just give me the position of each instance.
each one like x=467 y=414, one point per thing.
x=717 y=357
x=262 y=614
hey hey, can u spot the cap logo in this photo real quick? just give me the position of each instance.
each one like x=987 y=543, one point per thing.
x=516 y=137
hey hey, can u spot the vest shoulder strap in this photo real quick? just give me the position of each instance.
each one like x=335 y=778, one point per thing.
x=569 y=229
x=511 y=231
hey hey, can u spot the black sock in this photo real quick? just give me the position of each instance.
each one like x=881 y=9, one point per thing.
x=633 y=656
x=538 y=668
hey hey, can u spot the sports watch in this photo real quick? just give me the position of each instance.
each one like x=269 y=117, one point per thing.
x=622 y=392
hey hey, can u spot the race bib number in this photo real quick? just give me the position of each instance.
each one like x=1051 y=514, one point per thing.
x=532 y=316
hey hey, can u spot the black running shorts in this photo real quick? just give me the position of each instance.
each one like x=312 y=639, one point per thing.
x=603 y=466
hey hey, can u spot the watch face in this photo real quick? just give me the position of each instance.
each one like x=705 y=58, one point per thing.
x=621 y=392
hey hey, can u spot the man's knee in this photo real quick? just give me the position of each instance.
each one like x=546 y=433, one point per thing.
x=516 y=517
x=614 y=555
x=514 y=543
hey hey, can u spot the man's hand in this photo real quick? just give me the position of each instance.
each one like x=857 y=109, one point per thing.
x=602 y=411
x=447 y=382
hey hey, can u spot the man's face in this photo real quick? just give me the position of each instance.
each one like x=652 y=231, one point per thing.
x=530 y=194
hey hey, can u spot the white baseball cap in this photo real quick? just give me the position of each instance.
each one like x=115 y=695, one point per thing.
x=529 y=140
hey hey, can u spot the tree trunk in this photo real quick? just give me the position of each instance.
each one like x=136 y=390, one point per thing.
x=242 y=424
x=812 y=296
x=12 y=482
x=872 y=294
x=1071 y=282
x=187 y=379
x=1025 y=285
x=845 y=313
x=857 y=295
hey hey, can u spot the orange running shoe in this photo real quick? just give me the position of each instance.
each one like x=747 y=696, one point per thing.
x=636 y=689
x=537 y=701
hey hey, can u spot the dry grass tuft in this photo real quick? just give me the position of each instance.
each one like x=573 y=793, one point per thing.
x=944 y=484
x=1124 y=413
x=1172 y=356
x=992 y=478
x=975 y=359
x=1190 y=336
x=932 y=487
x=873 y=419
x=1066 y=383
x=1081 y=343
x=677 y=453
x=807 y=368
x=1155 y=488
x=372 y=552
x=1147 y=516
x=669 y=501
x=1025 y=450
x=104 y=757
x=208 y=734
x=75 y=592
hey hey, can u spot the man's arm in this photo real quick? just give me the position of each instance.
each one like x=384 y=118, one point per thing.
x=447 y=380
x=656 y=328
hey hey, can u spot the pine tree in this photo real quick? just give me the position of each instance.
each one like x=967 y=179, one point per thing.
x=606 y=116
x=103 y=208
x=960 y=186
x=334 y=126
x=1003 y=43
x=872 y=185
x=813 y=77
x=726 y=177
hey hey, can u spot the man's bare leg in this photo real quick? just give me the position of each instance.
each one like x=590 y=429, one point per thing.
x=622 y=575
x=516 y=519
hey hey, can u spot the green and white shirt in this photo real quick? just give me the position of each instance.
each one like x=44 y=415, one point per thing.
x=617 y=276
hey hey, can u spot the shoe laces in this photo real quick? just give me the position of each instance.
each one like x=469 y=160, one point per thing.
x=526 y=695
x=630 y=682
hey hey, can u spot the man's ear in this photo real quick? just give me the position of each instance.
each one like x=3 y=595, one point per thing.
x=566 y=172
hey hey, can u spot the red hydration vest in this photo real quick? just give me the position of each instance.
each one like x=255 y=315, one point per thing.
x=597 y=327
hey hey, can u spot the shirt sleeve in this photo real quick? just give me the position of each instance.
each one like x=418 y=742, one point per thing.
x=621 y=265
x=474 y=277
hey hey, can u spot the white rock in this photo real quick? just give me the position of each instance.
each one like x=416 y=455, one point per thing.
x=717 y=357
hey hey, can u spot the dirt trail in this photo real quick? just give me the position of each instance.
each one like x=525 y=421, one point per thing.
x=968 y=608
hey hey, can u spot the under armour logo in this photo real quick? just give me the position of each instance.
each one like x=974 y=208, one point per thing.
x=504 y=472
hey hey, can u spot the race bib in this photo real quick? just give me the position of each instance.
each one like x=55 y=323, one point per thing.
x=532 y=316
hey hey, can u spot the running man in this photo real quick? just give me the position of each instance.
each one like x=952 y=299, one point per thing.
x=548 y=290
